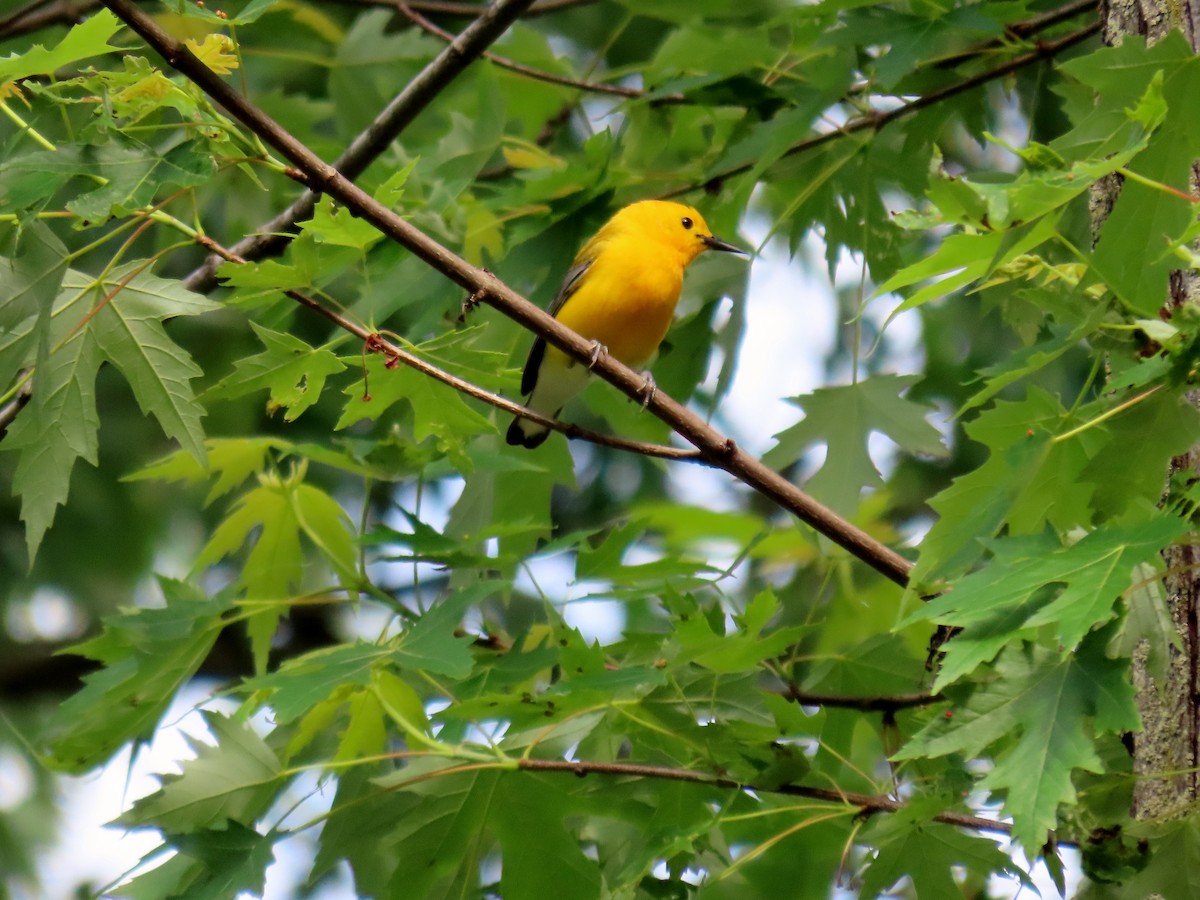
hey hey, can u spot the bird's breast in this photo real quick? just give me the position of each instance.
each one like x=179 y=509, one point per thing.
x=626 y=303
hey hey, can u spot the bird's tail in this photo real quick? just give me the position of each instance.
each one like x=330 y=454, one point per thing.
x=555 y=382
x=525 y=433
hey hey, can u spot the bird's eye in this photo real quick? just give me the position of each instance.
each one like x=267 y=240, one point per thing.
x=687 y=223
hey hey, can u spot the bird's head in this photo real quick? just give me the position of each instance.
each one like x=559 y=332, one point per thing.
x=674 y=225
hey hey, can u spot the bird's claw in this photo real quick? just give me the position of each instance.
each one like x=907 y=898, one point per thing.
x=598 y=350
x=649 y=389
x=471 y=303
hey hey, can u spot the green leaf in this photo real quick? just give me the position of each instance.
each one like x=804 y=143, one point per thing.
x=438 y=410
x=234 y=779
x=232 y=460
x=60 y=422
x=1172 y=870
x=1027 y=481
x=31 y=274
x=128 y=331
x=1113 y=856
x=606 y=560
x=911 y=844
x=541 y=855
x=843 y=418
x=451 y=827
x=1032 y=582
x=57 y=427
x=963 y=259
x=445 y=831
x=280 y=511
x=427 y=544
x=148 y=655
x=747 y=647
x=274 y=564
x=301 y=683
x=124 y=327
x=1147 y=624
x=1132 y=254
x=1127 y=471
x=431 y=643
x=326 y=525
x=87 y=39
x=1029 y=360
x=131 y=175
x=234 y=860
x=366 y=732
x=333 y=224
x=360 y=816
x=1035 y=707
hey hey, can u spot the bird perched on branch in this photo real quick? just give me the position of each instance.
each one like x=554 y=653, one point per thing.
x=620 y=293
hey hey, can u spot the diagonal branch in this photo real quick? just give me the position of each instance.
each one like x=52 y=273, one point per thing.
x=370 y=143
x=715 y=447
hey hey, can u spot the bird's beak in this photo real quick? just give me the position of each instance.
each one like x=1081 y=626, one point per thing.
x=715 y=243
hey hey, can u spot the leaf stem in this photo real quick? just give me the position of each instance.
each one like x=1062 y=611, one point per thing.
x=1107 y=414
x=26 y=127
x=1158 y=185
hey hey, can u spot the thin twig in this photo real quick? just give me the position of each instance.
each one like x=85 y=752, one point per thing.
x=715 y=447
x=376 y=343
x=410 y=11
x=1021 y=31
x=1050 y=18
x=866 y=803
x=875 y=121
x=271 y=237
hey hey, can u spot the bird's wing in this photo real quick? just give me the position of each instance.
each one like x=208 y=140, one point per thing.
x=570 y=284
x=538 y=352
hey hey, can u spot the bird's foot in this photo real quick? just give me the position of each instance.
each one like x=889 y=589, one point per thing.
x=649 y=389
x=471 y=303
x=598 y=350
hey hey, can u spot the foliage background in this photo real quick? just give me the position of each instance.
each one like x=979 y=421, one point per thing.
x=379 y=584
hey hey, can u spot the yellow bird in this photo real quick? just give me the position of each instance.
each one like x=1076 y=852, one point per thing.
x=620 y=293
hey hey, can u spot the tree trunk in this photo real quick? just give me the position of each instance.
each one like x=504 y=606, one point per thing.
x=1170 y=740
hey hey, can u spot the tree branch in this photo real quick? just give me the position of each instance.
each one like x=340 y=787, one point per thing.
x=866 y=803
x=713 y=446
x=270 y=237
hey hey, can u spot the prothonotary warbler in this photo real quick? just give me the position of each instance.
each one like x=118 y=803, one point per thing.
x=620 y=293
